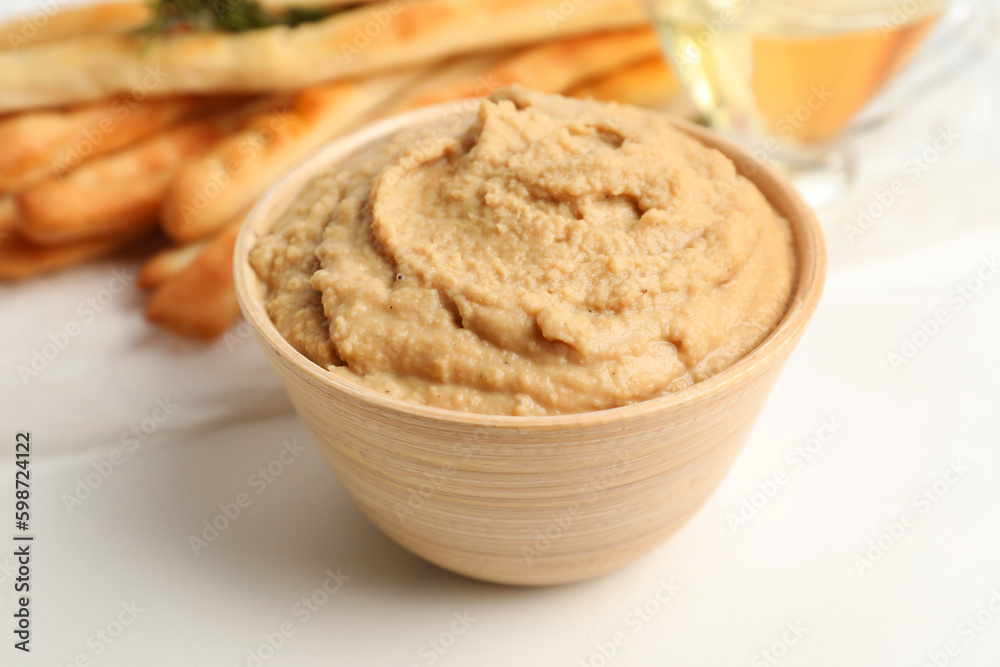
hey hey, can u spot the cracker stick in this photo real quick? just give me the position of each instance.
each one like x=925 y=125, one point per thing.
x=40 y=144
x=20 y=259
x=550 y=67
x=118 y=193
x=40 y=26
x=650 y=83
x=169 y=262
x=376 y=37
x=200 y=301
x=208 y=192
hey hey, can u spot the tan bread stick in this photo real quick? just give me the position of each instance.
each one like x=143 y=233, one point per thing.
x=169 y=262
x=40 y=144
x=208 y=192
x=286 y=4
x=20 y=259
x=49 y=23
x=200 y=301
x=650 y=83
x=117 y=193
x=372 y=38
x=9 y=215
x=455 y=73
x=550 y=67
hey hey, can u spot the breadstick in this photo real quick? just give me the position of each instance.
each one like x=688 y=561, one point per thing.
x=45 y=25
x=550 y=67
x=650 y=83
x=455 y=73
x=169 y=262
x=9 y=214
x=21 y=259
x=372 y=38
x=40 y=144
x=285 y=4
x=208 y=192
x=200 y=301
x=118 y=193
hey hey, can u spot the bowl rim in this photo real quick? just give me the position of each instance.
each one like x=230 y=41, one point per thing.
x=808 y=242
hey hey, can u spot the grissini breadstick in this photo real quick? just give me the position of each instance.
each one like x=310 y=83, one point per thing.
x=115 y=194
x=455 y=73
x=549 y=67
x=45 y=25
x=371 y=38
x=169 y=262
x=207 y=192
x=41 y=144
x=20 y=259
x=200 y=300
x=285 y=4
x=649 y=83
x=9 y=214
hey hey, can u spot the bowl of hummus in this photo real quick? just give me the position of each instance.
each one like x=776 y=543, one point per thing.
x=529 y=333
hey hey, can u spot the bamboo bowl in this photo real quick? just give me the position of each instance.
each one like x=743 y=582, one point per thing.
x=531 y=500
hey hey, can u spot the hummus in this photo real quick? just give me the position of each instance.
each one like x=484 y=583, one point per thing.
x=548 y=255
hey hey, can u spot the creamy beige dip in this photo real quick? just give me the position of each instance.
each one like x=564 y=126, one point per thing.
x=549 y=255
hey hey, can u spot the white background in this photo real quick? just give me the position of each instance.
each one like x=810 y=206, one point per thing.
x=795 y=561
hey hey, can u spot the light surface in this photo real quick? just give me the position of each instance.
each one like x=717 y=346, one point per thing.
x=794 y=562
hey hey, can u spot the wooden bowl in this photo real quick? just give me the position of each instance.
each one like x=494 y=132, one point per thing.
x=531 y=500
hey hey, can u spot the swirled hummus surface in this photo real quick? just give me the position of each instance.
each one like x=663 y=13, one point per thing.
x=546 y=255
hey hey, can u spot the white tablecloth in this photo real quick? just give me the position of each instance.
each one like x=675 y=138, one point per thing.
x=879 y=546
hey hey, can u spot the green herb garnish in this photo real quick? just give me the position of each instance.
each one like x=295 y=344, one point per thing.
x=229 y=15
